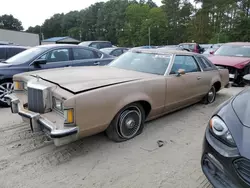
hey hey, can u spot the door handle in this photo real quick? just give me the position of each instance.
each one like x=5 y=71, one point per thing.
x=97 y=63
x=198 y=78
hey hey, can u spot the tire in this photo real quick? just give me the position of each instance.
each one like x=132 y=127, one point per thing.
x=128 y=123
x=6 y=87
x=210 y=96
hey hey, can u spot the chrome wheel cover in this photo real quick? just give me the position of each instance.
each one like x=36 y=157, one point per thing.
x=211 y=95
x=129 y=122
x=5 y=89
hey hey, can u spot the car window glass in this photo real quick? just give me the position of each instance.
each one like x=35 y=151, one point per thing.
x=204 y=64
x=13 y=51
x=56 y=55
x=80 y=53
x=142 y=62
x=191 y=65
x=2 y=53
x=105 y=45
x=117 y=52
x=184 y=62
x=95 y=45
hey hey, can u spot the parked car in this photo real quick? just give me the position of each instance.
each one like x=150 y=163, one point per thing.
x=7 y=51
x=170 y=47
x=236 y=58
x=209 y=51
x=206 y=46
x=97 y=44
x=193 y=47
x=226 y=156
x=115 y=51
x=117 y=98
x=47 y=57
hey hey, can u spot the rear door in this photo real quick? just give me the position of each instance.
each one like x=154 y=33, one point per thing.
x=208 y=72
x=86 y=57
x=184 y=89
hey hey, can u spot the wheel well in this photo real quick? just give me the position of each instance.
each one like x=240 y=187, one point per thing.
x=6 y=79
x=146 y=106
x=217 y=86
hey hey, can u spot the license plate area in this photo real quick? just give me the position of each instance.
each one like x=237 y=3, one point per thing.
x=231 y=76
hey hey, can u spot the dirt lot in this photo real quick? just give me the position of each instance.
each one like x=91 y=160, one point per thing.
x=29 y=160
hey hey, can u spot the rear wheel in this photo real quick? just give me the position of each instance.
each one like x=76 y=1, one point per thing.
x=210 y=96
x=6 y=87
x=127 y=124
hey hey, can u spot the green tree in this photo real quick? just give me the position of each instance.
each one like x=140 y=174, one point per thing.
x=10 y=22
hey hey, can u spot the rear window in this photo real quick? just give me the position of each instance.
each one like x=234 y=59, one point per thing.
x=100 y=45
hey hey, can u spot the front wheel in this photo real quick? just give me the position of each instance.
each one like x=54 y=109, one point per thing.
x=6 y=87
x=127 y=124
x=210 y=96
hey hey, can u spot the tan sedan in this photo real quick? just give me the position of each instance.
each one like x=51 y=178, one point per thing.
x=75 y=102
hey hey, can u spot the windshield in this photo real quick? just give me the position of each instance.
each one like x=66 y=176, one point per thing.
x=25 y=55
x=233 y=50
x=142 y=62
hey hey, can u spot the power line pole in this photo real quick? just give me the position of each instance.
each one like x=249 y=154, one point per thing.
x=149 y=36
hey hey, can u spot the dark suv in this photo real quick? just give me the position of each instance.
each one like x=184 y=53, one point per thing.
x=7 y=51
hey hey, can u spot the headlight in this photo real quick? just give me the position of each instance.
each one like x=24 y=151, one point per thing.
x=219 y=129
x=69 y=116
x=18 y=86
x=57 y=104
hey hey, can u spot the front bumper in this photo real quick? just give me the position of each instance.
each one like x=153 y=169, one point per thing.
x=217 y=164
x=38 y=122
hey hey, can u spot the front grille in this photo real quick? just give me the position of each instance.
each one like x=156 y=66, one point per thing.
x=231 y=70
x=35 y=100
x=242 y=166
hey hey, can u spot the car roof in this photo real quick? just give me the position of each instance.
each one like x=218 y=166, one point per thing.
x=163 y=51
x=238 y=43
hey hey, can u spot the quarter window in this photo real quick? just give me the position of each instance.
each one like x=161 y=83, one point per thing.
x=184 y=62
x=204 y=63
x=80 y=53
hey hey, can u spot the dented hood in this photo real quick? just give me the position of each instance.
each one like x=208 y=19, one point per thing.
x=80 y=79
x=237 y=62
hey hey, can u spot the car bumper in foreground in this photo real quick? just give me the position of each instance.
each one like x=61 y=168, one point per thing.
x=39 y=122
x=222 y=164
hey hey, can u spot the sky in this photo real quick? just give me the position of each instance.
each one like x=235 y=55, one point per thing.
x=32 y=12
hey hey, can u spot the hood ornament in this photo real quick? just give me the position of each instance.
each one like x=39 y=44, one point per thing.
x=37 y=78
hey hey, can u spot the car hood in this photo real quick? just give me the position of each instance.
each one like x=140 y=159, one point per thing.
x=237 y=62
x=241 y=106
x=80 y=79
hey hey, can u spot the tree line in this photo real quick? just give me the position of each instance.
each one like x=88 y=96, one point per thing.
x=129 y=22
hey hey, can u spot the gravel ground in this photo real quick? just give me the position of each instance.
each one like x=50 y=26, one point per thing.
x=30 y=160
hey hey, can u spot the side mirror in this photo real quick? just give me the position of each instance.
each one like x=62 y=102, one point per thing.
x=40 y=62
x=212 y=52
x=180 y=72
x=247 y=78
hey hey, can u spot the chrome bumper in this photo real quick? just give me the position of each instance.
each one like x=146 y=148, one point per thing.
x=38 y=123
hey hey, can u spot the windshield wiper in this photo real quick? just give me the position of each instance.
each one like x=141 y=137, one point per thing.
x=4 y=62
